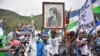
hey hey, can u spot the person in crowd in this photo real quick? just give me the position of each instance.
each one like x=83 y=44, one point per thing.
x=96 y=45
x=55 y=42
x=63 y=50
x=35 y=47
x=71 y=43
x=47 y=45
x=14 y=46
x=2 y=24
x=2 y=53
x=40 y=46
x=82 y=44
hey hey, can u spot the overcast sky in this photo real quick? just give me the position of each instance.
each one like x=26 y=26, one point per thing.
x=28 y=7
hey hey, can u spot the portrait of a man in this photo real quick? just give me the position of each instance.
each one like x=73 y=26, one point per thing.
x=53 y=15
x=54 y=19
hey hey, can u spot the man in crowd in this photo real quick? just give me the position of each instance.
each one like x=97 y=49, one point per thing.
x=55 y=42
x=96 y=44
x=47 y=45
x=35 y=47
x=82 y=43
x=71 y=43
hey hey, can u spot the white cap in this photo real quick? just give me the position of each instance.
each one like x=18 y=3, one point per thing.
x=81 y=30
x=37 y=32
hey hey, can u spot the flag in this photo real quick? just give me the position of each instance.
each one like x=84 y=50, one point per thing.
x=94 y=30
x=96 y=6
x=96 y=9
x=97 y=28
x=1 y=33
x=73 y=21
x=68 y=16
x=1 y=37
x=93 y=1
x=98 y=23
x=2 y=24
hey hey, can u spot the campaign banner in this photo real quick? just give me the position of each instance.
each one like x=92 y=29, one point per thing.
x=86 y=18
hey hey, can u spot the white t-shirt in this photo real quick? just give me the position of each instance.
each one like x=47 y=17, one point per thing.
x=55 y=44
x=32 y=45
x=84 y=48
x=47 y=49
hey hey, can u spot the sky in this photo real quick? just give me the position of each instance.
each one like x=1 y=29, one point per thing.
x=29 y=7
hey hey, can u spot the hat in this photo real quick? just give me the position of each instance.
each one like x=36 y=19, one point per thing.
x=44 y=35
x=37 y=32
x=72 y=33
x=82 y=31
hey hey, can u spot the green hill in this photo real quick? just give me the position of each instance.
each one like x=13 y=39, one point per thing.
x=38 y=21
x=12 y=19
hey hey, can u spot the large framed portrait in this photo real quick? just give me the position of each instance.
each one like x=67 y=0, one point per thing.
x=53 y=14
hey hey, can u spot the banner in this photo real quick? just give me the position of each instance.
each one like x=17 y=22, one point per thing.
x=86 y=19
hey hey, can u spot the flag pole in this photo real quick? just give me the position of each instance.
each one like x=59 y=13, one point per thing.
x=67 y=21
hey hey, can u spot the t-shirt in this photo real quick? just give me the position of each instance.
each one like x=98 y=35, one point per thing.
x=55 y=44
x=84 y=48
x=47 y=49
x=32 y=48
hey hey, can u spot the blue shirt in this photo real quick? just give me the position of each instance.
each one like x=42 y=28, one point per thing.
x=40 y=49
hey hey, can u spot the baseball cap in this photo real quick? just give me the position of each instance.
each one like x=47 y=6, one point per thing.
x=44 y=35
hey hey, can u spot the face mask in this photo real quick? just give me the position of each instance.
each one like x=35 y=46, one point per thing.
x=36 y=38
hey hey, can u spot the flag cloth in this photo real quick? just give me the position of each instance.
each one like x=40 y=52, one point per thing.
x=93 y=1
x=1 y=37
x=4 y=41
x=1 y=33
x=93 y=30
x=96 y=11
x=73 y=21
x=96 y=6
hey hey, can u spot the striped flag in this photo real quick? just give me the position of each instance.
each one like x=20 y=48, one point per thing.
x=96 y=6
x=94 y=30
x=73 y=21
x=73 y=18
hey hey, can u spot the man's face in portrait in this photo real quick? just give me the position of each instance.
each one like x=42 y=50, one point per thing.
x=51 y=14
